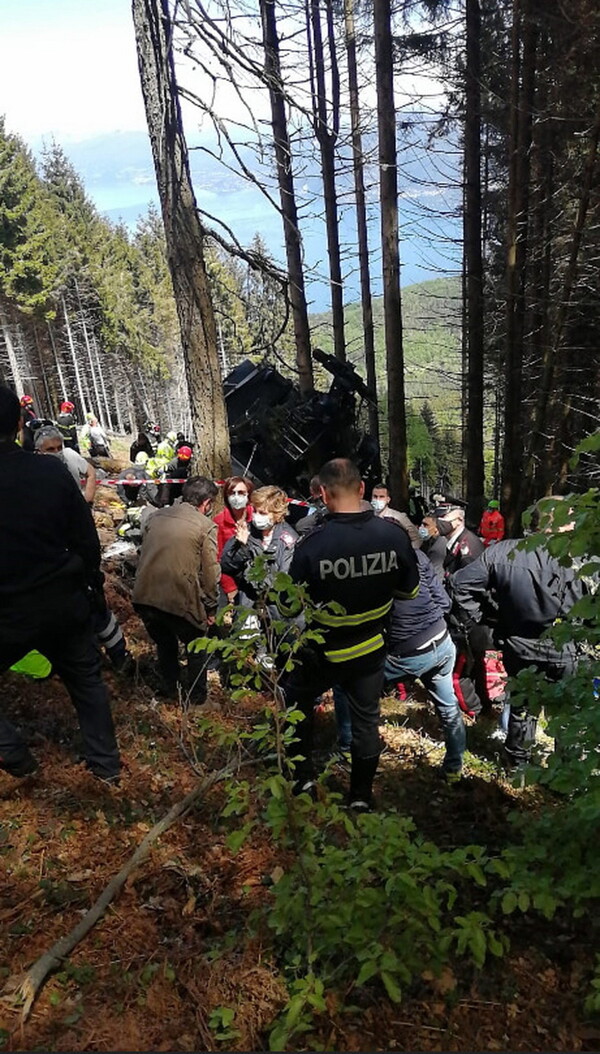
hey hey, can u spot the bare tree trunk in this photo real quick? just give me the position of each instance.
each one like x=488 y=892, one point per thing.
x=61 y=379
x=13 y=362
x=78 y=381
x=361 y=221
x=473 y=265
x=285 y=178
x=102 y=383
x=392 y=304
x=522 y=92
x=98 y=408
x=326 y=132
x=184 y=235
x=553 y=403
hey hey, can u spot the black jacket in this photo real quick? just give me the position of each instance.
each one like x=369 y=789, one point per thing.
x=362 y=562
x=315 y=517
x=415 y=621
x=236 y=560
x=531 y=590
x=48 y=549
x=464 y=549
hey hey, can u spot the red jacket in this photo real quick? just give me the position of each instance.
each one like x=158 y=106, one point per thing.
x=226 y=530
x=491 y=528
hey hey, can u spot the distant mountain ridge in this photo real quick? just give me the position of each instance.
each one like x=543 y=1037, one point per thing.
x=432 y=320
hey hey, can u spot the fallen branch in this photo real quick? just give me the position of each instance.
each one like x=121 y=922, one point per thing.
x=27 y=986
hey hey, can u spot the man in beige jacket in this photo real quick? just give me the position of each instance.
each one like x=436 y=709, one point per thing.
x=176 y=584
x=380 y=500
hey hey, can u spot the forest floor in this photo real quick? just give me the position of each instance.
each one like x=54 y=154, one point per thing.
x=176 y=947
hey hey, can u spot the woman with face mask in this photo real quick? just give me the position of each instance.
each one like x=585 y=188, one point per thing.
x=267 y=534
x=237 y=491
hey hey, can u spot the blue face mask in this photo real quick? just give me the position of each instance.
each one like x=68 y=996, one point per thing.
x=423 y=532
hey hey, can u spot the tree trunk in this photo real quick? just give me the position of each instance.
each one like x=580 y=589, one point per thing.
x=184 y=235
x=522 y=93
x=473 y=265
x=61 y=379
x=285 y=178
x=554 y=403
x=10 y=351
x=392 y=305
x=82 y=398
x=326 y=136
x=361 y=221
x=98 y=408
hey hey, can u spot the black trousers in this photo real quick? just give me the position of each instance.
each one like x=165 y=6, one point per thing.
x=362 y=681
x=167 y=631
x=67 y=640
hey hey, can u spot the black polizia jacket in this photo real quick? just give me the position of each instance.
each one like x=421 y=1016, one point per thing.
x=362 y=562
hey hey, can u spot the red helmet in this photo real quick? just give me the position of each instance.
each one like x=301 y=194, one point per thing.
x=26 y=400
x=66 y=407
x=184 y=453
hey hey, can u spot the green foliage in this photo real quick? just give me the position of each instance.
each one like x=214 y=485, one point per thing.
x=553 y=861
x=220 y=1022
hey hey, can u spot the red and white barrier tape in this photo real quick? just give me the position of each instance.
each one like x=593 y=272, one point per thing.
x=157 y=482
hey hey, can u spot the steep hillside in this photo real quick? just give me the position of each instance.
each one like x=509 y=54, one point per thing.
x=432 y=352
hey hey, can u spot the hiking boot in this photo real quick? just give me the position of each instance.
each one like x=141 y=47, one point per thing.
x=357 y=807
x=453 y=779
x=305 y=787
x=25 y=767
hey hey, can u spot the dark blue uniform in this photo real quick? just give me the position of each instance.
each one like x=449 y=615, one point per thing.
x=362 y=562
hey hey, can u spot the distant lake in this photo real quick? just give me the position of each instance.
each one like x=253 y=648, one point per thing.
x=118 y=175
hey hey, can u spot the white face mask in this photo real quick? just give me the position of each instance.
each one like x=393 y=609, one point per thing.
x=238 y=501
x=378 y=504
x=262 y=521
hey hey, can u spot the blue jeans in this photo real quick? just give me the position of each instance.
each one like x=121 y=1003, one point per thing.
x=434 y=670
x=343 y=719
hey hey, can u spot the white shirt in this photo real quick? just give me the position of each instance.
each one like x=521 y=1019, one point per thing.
x=76 y=464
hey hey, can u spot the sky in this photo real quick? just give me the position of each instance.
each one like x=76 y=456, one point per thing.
x=69 y=68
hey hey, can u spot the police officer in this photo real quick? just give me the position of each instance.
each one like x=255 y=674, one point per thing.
x=531 y=589
x=362 y=562
x=462 y=545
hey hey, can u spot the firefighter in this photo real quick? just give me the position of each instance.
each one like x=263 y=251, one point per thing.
x=492 y=527
x=362 y=562
x=66 y=425
x=178 y=468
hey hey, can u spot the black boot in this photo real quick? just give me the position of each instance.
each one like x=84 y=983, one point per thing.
x=361 y=782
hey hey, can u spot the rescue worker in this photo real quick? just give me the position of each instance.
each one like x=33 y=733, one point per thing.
x=531 y=590
x=380 y=501
x=48 y=440
x=29 y=422
x=492 y=527
x=166 y=448
x=47 y=563
x=237 y=491
x=141 y=445
x=66 y=425
x=176 y=583
x=361 y=561
x=178 y=468
x=95 y=436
